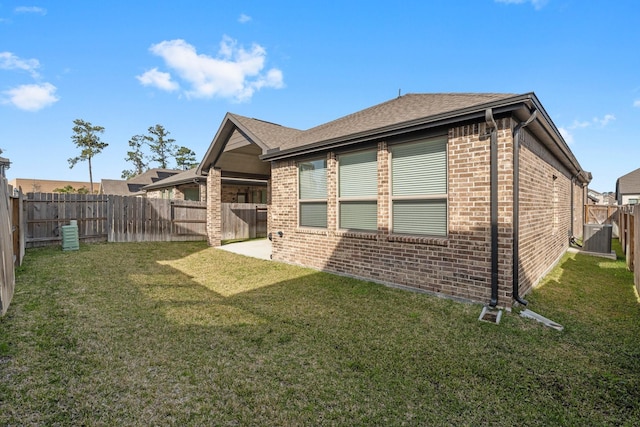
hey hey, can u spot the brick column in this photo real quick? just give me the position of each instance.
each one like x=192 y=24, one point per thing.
x=269 y=210
x=214 y=198
x=332 y=192
x=384 y=189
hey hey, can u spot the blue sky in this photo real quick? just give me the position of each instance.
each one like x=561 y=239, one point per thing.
x=128 y=65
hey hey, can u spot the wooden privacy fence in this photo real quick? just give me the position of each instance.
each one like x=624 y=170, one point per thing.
x=603 y=214
x=46 y=213
x=629 y=238
x=112 y=218
x=7 y=271
x=139 y=219
x=243 y=220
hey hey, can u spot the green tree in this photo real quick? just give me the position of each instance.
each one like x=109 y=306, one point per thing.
x=185 y=158
x=136 y=156
x=87 y=139
x=68 y=189
x=162 y=148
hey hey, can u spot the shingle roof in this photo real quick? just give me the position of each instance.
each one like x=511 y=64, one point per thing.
x=179 y=178
x=401 y=115
x=402 y=109
x=133 y=186
x=629 y=183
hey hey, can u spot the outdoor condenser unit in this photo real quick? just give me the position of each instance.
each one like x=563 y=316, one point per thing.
x=597 y=238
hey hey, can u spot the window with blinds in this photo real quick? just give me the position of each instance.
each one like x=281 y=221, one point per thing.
x=419 y=187
x=312 y=193
x=358 y=190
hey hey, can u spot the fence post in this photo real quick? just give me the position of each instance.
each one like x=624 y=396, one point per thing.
x=631 y=242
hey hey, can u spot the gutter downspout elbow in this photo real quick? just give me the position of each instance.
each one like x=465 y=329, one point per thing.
x=516 y=207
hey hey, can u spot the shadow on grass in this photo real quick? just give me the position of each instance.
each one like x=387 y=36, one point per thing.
x=189 y=335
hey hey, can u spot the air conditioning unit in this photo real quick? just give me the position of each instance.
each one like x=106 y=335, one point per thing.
x=597 y=238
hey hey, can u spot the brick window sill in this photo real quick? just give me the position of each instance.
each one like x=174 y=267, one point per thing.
x=418 y=240
x=359 y=235
x=316 y=231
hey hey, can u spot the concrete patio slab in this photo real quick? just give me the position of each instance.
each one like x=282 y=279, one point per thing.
x=260 y=248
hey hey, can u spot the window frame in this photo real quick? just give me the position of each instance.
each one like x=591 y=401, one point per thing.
x=342 y=200
x=444 y=197
x=309 y=201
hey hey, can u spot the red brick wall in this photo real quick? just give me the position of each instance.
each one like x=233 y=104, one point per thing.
x=458 y=265
x=545 y=210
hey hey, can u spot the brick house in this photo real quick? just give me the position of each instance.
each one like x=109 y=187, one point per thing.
x=416 y=192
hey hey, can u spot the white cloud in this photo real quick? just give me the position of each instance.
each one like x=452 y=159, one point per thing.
x=568 y=136
x=608 y=118
x=31 y=97
x=596 y=121
x=9 y=61
x=243 y=19
x=579 y=125
x=30 y=9
x=567 y=131
x=235 y=73
x=537 y=4
x=636 y=103
x=158 y=79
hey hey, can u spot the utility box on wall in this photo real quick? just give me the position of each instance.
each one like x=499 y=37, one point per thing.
x=597 y=238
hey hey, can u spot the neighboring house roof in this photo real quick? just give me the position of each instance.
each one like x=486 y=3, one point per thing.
x=629 y=183
x=133 y=186
x=404 y=114
x=185 y=177
x=31 y=185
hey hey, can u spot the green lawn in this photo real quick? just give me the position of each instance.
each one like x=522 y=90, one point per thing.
x=181 y=334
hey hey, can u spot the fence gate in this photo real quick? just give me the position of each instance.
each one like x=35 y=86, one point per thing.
x=243 y=220
x=603 y=214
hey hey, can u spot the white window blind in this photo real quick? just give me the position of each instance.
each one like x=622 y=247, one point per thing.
x=358 y=190
x=419 y=187
x=312 y=178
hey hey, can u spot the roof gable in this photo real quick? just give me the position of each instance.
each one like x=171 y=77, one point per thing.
x=629 y=183
x=237 y=131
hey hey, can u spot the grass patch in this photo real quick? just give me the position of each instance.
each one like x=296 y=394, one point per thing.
x=182 y=334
